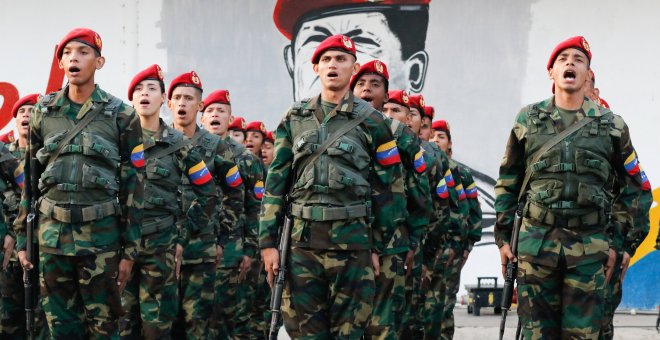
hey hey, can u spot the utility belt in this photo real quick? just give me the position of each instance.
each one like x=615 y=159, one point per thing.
x=77 y=213
x=319 y=213
x=545 y=215
x=157 y=224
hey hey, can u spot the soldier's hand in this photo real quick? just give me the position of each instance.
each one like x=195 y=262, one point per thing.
x=410 y=262
x=22 y=258
x=271 y=263
x=9 y=249
x=178 y=258
x=506 y=256
x=611 y=260
x=375 y=259
x=244 y=268
x=625 y=262
x=125 y=267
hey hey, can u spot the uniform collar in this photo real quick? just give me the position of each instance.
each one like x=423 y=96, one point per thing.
x=588 y=109
x=345 y=104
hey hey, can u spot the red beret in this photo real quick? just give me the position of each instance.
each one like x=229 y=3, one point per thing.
x=429 y=111
x=8 y=137
x=152 y=72
x=373 y=67
x=256 y=126
x=417 y=101
x=270 y=137
x=603 y=102
x=578 y=42
x=288 y=12
x=30 y=99
x=218 y=96
x=237 y=124
x=190 y=79
x=440 y=125
x=338 y=42
x=83 y=35
x=398 y=97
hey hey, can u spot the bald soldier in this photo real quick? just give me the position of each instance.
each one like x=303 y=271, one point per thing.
x=564 y=251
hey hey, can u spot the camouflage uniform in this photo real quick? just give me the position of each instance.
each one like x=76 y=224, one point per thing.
x=563 y=243
x=197 y=279
x=469 y=235
x=90 y=210
x=413 y=195
x=232 y=306
x=150 y=297
x=330 y=285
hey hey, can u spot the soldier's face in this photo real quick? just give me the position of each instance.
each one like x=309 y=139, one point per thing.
x=147 y=98
x=216 y=118
x=238 y=136
x=335 y=69
x=425 y=130
x=79 y=62
x=185 y=103
x=441 y=139
x=570 y=71
x=23 y=120
x=373 y=40
x=396 y=111
x=267 y=151
x=371 y=88
x=415 y=122
x=254 y=141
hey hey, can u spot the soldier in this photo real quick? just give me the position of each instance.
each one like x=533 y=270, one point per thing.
x=255 y=133
x=425 y=132
x=204 y=251
x=234 y=285
x=591 y=91
x=462 y=240
x=90 y=164
x=237 y=130
x=371 y=84
x=563 y=245
x=267 y=150
x=150 y=298
x=329 y=289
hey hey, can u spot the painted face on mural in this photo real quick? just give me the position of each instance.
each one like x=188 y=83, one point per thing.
x=374 y=39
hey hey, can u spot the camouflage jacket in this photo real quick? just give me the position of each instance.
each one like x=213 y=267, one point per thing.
x=438 y=171
x=95 y=236
x=472 y=234
x=629 y=185
x=459 y=209
x=384 y=164
x=11 y=182
x=252 y=172
x=224 y=226
x=161 y=187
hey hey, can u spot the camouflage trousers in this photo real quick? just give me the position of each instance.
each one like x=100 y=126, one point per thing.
x=258 y=292
x=389 y=299
x=560 y=302
x=149 y=300
x=452 y=277
x=328 y=293
x=230 y=308
x=434 y=289
x=80 y=295
x=412 y=319
x=12 y=306
x=196 y=290
x=612 y=295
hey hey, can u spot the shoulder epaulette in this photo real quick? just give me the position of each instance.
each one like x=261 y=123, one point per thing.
x=113 y=105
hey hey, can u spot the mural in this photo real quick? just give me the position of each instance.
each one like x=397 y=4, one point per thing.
x=476 y=61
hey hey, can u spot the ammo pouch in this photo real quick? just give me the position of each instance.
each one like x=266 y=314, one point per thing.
x=76 y=213
x=157 y=224
x=550 y=217
x=319 y=213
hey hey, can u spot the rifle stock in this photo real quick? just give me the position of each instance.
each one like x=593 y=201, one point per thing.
x=511 y=271
x=278 y=287
x=30 y=276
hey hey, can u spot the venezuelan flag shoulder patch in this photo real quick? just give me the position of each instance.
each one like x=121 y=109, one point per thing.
x=449 y=178
x=471 y=191
x=20 y=179
x=259 y=189
x=632 y=164
x=233 y=177
x=199 y=174
x=461 y=192
x=420 y=162
x=388 y=154
x=137 y=156
x=441 y=189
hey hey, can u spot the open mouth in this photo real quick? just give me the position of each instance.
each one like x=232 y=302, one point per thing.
x=569 y=75
x=181 y=113
x=215 y=123
x=25 y=123
x=332 y=75
x=367 y=99
x=144 y=102
x=74 y=69
x=249 y=146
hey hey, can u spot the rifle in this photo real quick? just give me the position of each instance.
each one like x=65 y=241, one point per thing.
x=278 y=287
x=511 y=272
x=31 y=276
